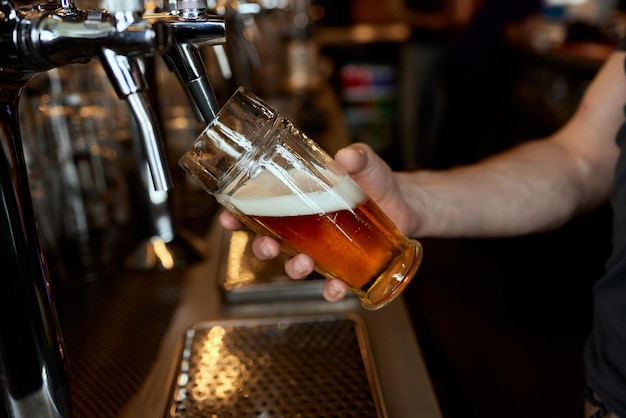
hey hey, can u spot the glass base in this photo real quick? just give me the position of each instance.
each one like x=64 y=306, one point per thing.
x=399 y=274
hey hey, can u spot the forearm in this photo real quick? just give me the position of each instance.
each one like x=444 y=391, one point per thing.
x=536 y=186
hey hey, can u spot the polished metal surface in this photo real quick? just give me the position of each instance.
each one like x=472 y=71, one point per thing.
x=128 y=81
x=183 y=56
x=36 y=38
x=306 y=366
x=164 y=249
x=31 y=349
x=245 y=279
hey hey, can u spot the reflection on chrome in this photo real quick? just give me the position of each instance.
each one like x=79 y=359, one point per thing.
x=163 y=254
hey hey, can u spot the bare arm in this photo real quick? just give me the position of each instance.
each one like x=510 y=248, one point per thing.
x=536 y=186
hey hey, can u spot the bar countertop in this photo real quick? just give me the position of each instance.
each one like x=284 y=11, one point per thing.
x=404 y=381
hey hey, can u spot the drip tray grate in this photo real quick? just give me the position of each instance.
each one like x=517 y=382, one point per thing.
x=280 y=367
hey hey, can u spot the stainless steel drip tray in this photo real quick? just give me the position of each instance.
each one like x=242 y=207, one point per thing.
x=243 y=278
x=307 y=366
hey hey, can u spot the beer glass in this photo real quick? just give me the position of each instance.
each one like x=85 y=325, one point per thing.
x=280 y=183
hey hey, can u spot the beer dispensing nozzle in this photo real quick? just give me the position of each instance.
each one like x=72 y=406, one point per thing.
x=127 y=78
x=191 y=28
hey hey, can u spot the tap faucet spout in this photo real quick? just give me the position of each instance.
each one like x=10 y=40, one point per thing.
x=129 y=83
x=192 y=27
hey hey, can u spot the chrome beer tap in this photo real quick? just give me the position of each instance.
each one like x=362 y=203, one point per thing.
x=189 y=28
x=187 y=21
x=33 y=39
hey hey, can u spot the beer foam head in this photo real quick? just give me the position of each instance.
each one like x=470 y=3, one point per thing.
x=267 y=195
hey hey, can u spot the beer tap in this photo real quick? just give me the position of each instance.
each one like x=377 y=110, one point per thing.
x=185 y=20
x=35 y=38
x=190 y=28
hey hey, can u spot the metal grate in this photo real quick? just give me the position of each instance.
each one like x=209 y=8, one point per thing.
x=294 y=367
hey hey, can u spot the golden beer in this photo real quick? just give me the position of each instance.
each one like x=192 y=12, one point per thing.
x=342 y=229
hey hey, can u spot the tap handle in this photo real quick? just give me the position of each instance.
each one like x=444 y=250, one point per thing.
x=186 y=6
x=191 y=5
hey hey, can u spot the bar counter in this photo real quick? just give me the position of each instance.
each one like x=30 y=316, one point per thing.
x=405 y=386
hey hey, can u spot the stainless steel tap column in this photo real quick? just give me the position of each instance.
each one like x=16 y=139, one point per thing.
x=32 y=366
x=35 y=38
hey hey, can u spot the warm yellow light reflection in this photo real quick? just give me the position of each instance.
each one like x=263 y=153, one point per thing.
x=220 y=373
x=236 y=273
x=163 y=254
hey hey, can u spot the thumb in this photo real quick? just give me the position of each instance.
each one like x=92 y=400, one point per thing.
x=370 y=171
